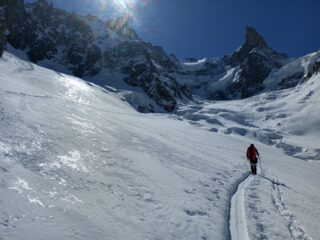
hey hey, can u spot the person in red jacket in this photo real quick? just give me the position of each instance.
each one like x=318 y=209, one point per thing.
x=252 y=154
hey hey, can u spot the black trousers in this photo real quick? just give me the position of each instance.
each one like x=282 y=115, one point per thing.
x=254 y=168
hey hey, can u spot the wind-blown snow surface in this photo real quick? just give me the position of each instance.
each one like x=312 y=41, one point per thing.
x=77 y=162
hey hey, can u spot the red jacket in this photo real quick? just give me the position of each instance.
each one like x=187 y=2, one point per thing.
x=252 y=153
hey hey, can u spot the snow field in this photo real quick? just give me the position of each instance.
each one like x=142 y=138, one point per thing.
x=77 y=162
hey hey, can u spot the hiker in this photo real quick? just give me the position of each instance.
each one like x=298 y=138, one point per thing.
x=252 y=154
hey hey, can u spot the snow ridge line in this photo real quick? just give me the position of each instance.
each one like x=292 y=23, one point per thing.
x=234 y=191
x=296 y=230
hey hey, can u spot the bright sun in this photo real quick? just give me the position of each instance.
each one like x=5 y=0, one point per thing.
x=125 y=6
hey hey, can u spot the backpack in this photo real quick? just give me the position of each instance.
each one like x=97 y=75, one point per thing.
x=252 y=153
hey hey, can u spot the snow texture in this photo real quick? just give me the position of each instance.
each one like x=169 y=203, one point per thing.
x=78 y=162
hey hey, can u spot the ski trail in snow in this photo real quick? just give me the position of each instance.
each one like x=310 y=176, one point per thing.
x=296 y=230
x=238 y=221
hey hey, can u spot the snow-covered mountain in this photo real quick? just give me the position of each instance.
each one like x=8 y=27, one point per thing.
x=282 y=115
x=87 y=46
x=77 y=161
x=110 y=53
x=239 y=75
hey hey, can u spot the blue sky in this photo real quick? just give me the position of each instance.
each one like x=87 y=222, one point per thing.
x=212 y=28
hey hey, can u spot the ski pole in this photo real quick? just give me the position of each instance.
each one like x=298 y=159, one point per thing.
x=245 y=162
x=260 y=164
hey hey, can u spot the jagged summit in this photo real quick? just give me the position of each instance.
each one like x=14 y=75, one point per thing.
x=254 y=60
x=254 y=39
x=238 y=75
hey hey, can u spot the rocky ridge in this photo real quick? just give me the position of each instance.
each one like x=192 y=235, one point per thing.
x=87 y=46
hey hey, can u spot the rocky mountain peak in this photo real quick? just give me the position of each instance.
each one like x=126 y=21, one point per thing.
x=254 y=60
x=254 y=39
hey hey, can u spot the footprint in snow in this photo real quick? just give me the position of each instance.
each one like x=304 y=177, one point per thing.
x=195 y=213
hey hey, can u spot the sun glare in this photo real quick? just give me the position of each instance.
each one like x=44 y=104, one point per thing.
x=127 y=9
x=124 y=5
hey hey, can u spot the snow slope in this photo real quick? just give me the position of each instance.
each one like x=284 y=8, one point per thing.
x=77 y=162
x=288 y=119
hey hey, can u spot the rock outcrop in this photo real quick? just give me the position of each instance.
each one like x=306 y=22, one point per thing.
x=2 y=26
x=255 y=60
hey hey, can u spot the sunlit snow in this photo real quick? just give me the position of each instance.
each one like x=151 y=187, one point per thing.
x=77 y=162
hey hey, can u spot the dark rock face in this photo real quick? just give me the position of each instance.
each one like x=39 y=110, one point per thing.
x=291 y=81
x=147 y=67
x=316 y=67
x=2 y=27
x=253 y=40
x=255 y=69
x=256 y=60
x=15 y=23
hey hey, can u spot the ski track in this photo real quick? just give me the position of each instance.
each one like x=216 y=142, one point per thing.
x=296 y=230
x=238 y=229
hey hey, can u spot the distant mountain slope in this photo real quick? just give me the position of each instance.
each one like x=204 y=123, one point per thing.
x=111 y=53
x=239 y=75
x=286 y=115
